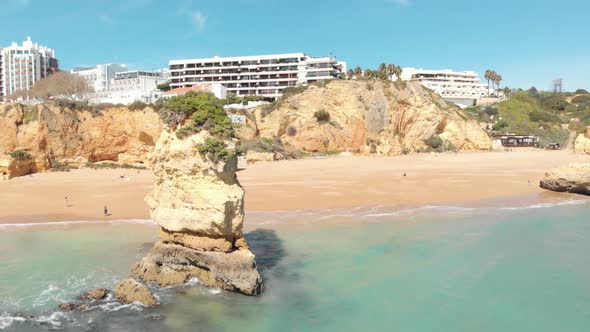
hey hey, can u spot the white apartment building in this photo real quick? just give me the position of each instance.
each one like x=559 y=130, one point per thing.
x=23 y=65
x=261 y=75
x=100 y=76
x=462 y=88
x=129 y=86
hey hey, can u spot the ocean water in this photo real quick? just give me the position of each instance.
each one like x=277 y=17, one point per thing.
x=366 y=269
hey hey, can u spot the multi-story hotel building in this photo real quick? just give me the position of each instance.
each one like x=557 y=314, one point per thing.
x=23 y=65
x=261 y=75
x=100 y=76
x=462 y=88
x=129 y=86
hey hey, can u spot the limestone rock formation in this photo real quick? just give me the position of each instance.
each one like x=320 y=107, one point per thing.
x=385 y=118
x=582 y=144
x=53 y=134
x=11 y=167
x=199 y=205
x=73 y=306
x=130 y=290
x=574 y=178
x=95 y=294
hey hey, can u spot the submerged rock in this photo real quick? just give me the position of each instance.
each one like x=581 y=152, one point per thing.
x=130 y=290
x=199 y=205
x=68 y=306
x=73 y=306
x=574 y=178
x=95 y=294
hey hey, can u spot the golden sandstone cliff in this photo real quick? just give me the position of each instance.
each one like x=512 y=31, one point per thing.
x=52 y=134
x=199 y=205
x=386 y=118
x=582 y=144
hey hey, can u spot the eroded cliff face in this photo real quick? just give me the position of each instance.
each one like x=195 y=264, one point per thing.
x=582 y=144
x=199 y=205
x=385 y=118
x=50 y=133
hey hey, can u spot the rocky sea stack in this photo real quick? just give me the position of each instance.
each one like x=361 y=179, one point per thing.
x=574 y=178
x=199 y=204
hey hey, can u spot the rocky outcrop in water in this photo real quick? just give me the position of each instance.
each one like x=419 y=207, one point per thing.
x=130 y=290
x=95 y=294
x=370 y=117
x=199 y=205
x=574 y=178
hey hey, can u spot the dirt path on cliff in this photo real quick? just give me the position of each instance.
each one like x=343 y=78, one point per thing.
x=338 y=182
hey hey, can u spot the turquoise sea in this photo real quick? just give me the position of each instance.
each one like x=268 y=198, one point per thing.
x=368 y=269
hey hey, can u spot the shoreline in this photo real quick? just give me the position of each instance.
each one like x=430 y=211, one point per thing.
x=472 y=179
x=377 y=211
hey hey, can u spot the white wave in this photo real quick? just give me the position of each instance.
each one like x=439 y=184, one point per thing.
x=54 y=320
x=548 y=205
x=78 y=222
x=381 y=211
x=441 y=208
x=6 y=320
x=116 y=306
x=214 y=291
x=52 y=293
x=193 y=282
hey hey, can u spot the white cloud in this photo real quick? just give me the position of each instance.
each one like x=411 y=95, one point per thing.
x=199 y=20
x=400 y=2
x=106 y=19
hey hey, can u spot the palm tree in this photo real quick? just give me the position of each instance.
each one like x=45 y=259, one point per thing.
x=349 y=74
x=391 y=68
x=395 y=70
x=498 y=80
x=368 y=74
x=488 y=77
x=382 y=72
x=358 y=72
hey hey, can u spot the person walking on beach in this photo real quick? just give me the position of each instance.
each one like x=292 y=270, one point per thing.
x=106 y=211
x=66 y=200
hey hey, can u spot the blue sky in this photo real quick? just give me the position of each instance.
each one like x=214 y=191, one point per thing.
x=529 y=42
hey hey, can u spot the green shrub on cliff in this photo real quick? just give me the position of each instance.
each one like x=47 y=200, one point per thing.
x=205 y=112
x=215 y=149
x=194 y=112
x=137 y=106
x=322 y=116
x=434 y=142
x=20 y=155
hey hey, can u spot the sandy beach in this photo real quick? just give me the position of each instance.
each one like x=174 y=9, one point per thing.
x=337 y=182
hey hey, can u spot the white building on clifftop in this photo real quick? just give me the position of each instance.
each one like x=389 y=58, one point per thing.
x=258 y=75
x=462 y=88
x=129 y=86
x=23 y=65
x=100 y=76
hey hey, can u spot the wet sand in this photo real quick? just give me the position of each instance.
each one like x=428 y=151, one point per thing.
x=337 y=182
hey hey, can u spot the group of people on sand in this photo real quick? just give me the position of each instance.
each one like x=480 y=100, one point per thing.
x=105 y=210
